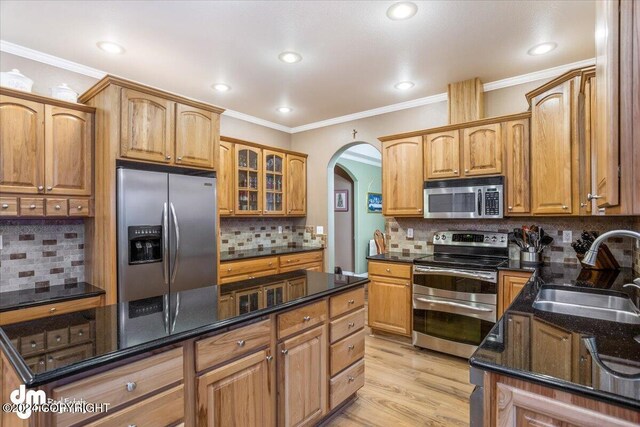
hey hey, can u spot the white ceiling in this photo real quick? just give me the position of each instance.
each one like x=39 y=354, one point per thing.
x=352 y=53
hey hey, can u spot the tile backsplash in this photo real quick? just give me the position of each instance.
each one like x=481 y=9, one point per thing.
x=421 y=243
x=238 y=234
x=39 y=253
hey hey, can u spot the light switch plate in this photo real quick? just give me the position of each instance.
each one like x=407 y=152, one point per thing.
x=567 y=236
x=319 y=229
x=410 y=233
x=279 y=229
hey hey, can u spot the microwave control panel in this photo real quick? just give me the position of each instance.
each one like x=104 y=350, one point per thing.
x=492 y=202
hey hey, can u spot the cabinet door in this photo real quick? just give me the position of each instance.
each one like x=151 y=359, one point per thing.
x=239 y=393
x=402 y=178
x=248 y=175
x=226 y=306
x=442 y=155
x=249 y=301
x=390 y=305
x=296 y=185
x=197 y=137
x=296 y=289
x=551 y=161
x=482 y=150
x=68 y=138
x=587 y=111
x=146 y=127
x=517 y=174
x=553 y=350
x=519 y=333
x=225 y=174
x=274 y=182
x=274 y=294
x=302 y=378
x=510 y=287
x=21 y=146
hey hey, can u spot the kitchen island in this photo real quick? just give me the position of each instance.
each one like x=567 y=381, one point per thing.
x=285 y=349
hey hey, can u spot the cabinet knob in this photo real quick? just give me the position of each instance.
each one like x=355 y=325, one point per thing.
x=132 y=425
x=419 y=209
x=33 y=344
x=32 y=206
x=455 y=171
x=5 y=206
x=79 y=207
x=285 y=351
x=565 y=207
x=42 y=362
x=388 y=270
x=351 y=379
x=351 y=301
x=351 y=324
x=58 y=338
x=510 y=208
x=131 y=386
x=269 y=358
x=306 y=318
x=241 y=343
x=179 y=158
x=583 y=205
x=52 y=309
x=351 y=347
x=466 y=170
x=229 y=270
x=80 y=333
x=40 y=188
x=593 y=196
x=270 y=264
x=49 y=188
x=58 y=207
x=168 y=157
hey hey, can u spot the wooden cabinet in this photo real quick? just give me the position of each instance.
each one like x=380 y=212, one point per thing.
x=248 y=180
x=197 y=137
x=274 y=182
x=146 y=127
x=482 y=150
x=510 y=285
x=390 y=305
x=296 y=181
x=516 y=138
x=402 y=177
x=587 y=135
x=40 y=311
x=68 y=356
x=302 y=378
x=233 y=271
x=225 y=178
x=518 y=330
x=240 y=393
x=553 y=350
x=442 y=155
x=21 y=146
x=551 y=150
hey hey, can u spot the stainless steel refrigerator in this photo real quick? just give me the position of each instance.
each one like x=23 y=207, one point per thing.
x=166 y=232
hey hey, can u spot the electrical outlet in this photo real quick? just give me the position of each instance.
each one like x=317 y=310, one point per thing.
x=319 y=229
x=567 y=236
x=410 y=233
x=279 y=229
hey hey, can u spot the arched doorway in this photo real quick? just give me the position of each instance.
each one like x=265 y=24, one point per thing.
x=361 y=161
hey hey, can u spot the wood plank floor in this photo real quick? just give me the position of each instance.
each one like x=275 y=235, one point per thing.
x=405 y=386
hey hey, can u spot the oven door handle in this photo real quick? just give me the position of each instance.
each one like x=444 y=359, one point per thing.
x=455 y=304
x=454 y=272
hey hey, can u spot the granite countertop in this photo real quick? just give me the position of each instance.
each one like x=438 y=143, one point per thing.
x=560 y=365
x=396 y=257
x=257 y=253
x=126 y=329
x=25 y=298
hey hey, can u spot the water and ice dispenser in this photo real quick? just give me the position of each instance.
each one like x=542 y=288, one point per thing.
x=145 y=244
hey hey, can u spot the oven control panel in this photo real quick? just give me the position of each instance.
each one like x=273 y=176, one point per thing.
x=471 y=238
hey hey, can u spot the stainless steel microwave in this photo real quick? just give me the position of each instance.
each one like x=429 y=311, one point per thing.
x=464 y=198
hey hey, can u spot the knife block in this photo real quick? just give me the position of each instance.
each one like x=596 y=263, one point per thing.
x=604 y=261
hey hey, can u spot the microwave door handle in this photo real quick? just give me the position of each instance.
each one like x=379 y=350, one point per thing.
x=455 y=304
x=479 y=202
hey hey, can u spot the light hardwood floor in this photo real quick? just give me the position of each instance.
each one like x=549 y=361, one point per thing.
x=405 y=386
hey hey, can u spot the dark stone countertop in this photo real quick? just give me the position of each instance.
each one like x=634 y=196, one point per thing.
x=519 y=354
x=257 y=253
x=395 y=257
x=25 y=298
x=122 y=330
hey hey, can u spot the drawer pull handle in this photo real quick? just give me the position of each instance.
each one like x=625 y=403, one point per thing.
x=58 y=338
x=58 y=207
x=229 y=270
x=131 y=386
x=270 y=264
x=52 y=309
x=5 y=206
x=79 y=207
x=285 y=351
x=351 y=347
x=49 y=188
x=565 y=207
x=388 y=270
x=351 y=379
x=42 y=362
x=269 y=358
x=40 y=188
x=241 y=343
x=351 y=301
x=179 y=158
x=33 y=344
x=306 y=318
x=32 y=206
x=168 y=157
x=351 y=324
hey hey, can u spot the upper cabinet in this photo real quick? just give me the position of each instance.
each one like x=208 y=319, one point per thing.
x=402 y=177
x=482 y=150
x=516 y=139
x=296 y=185
x=442 y=155
x=197 y=137
x=225 y=174
x=274 y=182
x=248 y=180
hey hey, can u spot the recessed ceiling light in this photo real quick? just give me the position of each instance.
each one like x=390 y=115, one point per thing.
x=111 y=47
x=402 y=10
x=290 y=57
x=221 y=87
x=542 y=48
x=285 y=109
x=404 y=85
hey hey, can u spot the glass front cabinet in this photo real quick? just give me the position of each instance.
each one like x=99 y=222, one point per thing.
x=248 y=184
x=274 y=185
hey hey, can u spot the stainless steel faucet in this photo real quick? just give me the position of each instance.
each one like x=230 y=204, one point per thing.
x=592 y=253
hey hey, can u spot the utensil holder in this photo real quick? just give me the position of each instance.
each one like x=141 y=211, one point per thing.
x=530 y=257
x=604 y=261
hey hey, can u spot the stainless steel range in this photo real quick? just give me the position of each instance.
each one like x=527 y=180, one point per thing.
x=455 y=290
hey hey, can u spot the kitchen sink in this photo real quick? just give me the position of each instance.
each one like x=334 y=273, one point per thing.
x=615 y=307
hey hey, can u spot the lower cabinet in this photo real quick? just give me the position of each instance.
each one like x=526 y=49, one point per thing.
x=239 y=393
x=302 y=378
x=390 y=305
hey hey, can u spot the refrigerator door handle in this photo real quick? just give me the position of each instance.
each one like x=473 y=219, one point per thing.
x=175 y=315
x=165 y=244
x=165 y=312
x=177 y=230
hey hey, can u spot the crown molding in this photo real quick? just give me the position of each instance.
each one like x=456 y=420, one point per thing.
x=360 y=159
x=256 y=120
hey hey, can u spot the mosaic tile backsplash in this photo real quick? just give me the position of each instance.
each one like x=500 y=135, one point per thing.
x=38 y=253
x=237 y=234
x=423 y=230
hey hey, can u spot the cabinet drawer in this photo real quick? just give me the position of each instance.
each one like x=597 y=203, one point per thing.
x=8 y=206
x=347 y=351
x=314 y=266
x=346 y=301
x=220 y=348
x=346 y=325
x=300 y=258
x=301 y=318
x=79 y=207
x=79 y=333
x=57 y=338
x=121 y=385
x=57 y=207
x=36 y=364
x=15 y=316
x=31 y=206
x=390 y=269
x=162 y=409
x=32 y=343
x=344 y=385
x=252 y=275
x=236 y=268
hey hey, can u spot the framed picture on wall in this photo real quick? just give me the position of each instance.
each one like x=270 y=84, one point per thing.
x=374 y=203
x=341 y=201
